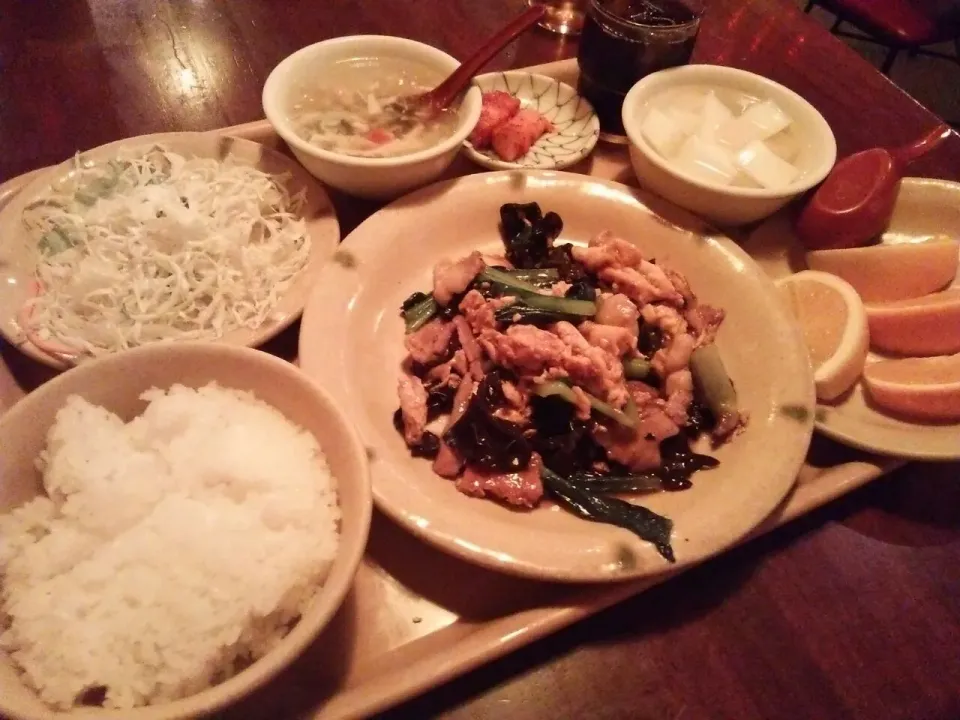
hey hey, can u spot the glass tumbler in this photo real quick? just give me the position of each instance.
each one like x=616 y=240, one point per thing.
x=564 y=17
x=623 y=41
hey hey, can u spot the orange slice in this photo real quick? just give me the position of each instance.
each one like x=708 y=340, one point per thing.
x=885 y=273
x=929 y=325
x=834 y=325
x=922 y=388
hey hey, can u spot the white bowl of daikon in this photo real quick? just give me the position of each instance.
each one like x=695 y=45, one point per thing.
x=727 y=144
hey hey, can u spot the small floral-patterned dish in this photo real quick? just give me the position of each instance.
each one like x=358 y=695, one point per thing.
x=576 y=127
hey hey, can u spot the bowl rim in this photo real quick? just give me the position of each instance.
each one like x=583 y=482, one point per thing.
x=318 y=615
x=631 y=120
x=277 y=81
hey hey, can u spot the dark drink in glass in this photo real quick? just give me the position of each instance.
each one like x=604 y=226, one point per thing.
x=625 y=40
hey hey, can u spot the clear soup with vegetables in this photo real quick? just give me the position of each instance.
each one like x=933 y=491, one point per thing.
x=355 y=108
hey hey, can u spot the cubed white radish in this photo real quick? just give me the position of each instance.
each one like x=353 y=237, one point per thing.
x=714 y=114
x=759 y=122
x=687 y=99
x=687 y=121
x=760 y=163
x=742 y=101
x=661 y=132
x=705 y=161
x=785 y=144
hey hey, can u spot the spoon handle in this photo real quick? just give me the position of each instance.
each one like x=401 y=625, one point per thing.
x=445 y=92
x=906 y=154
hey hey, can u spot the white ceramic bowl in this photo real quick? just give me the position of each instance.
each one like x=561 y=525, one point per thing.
x=378 y=178
x=726 y=205
x=116 y=383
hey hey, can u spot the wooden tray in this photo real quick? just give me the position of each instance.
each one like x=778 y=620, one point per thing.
x=416 y=618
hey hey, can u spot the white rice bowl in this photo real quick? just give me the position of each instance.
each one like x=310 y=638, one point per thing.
x=169 y=552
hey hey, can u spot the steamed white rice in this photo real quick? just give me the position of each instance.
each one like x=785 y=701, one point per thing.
x=169 y=550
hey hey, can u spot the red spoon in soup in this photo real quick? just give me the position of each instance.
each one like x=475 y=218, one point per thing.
x=433 y=102
x=854 y=204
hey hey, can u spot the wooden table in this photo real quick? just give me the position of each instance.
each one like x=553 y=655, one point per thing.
x=853 y=612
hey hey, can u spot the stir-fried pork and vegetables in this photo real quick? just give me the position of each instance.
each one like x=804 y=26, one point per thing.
x=582 y=373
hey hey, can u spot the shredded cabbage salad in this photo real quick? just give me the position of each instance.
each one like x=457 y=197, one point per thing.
x=157 y=246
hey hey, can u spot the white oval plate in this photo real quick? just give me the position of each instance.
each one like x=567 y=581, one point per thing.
x=351 y=340
x=925 y=208
x=576 y=126
x=16 y=261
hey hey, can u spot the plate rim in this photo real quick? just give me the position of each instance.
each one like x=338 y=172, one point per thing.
x=495 y=164
x=790 y=466
x=324 y=241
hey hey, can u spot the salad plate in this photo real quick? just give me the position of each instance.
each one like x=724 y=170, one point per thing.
x=351 y=340
x=925 y=208
x=22 y=247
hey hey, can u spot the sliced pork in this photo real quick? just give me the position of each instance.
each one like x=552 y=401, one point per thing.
x=678 y=388
x=621 y=264
x=606 y=250
x=431 y=343
x=617 y=341
x=704 y=322
x=524 y=349
x=520 y=489
x=557 y=354
x=517 y=408
x=640 y=287
x=452 y=278
x=617 y=310
x=413 y=407
x=449 y=372
x=675 y=356
x=447 y=463
x=593 y=368
x=638 y=449
x=664 y=317
x=471 y=348
x=479 y=311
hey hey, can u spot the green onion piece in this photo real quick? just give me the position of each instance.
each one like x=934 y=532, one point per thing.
x=420 y=314
x=710 y=377
x=561 y=305
x=507 y=281
x=626 y=417
x=637 y=368
x=641 y=521
x=541 y=277
x=635 y=482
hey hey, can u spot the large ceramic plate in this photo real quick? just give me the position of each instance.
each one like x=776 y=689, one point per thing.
x=16 y=259
x=925 y=208
x=351 y=340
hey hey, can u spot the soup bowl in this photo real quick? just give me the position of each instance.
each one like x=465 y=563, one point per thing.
x=370 y=177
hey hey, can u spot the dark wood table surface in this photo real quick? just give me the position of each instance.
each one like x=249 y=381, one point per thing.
x=851 y=612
